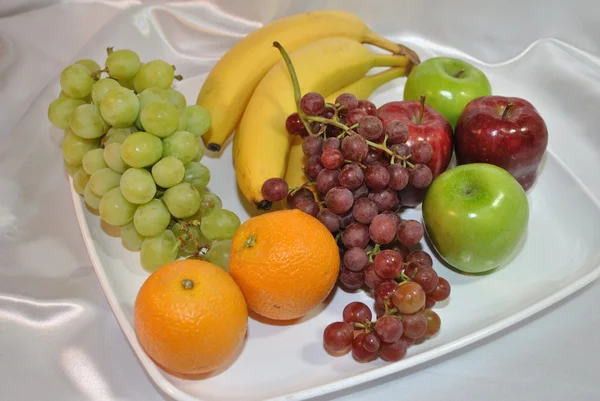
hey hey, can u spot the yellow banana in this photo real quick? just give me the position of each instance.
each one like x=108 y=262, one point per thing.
x=230 y=84
x=362 y=89
x=261 y=142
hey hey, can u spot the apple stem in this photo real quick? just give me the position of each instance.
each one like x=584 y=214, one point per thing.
x=459 y=73
x=422 y=109
x=507 y=109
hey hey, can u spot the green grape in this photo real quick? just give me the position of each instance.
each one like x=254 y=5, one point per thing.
x=218 y=254
x=168 y=172
x=148 y=96
x=80 y=180
x=115 y=209
x=130 y=238
x=119 y=107
x=118 y=135
x=91 y=65
x=71 y=168
x=122 y=64
x=86 y=122
x=101 y=87
x=104 y=180
x=152 y=218
x=159 y=250
x=74 y=147
x=91 y=199
x=94 y=161
x=60 y=110
x=76 y=81
x=175 y=97
x=113 y=159
x=192 y=238
x=182 y=144
x=209 y=203
x=197 y=174
x=182 y=200
x=220 y=224
x=141 y=149
x=160 y=118
x=182 y=121
x=127 y=83
x=199 y=155
x=198 y=120
x=137 y=186
x=156 y=73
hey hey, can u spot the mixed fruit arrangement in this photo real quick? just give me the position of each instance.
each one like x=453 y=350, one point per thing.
x=328 y=171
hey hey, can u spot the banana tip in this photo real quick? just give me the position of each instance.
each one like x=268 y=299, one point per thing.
x=214 y=147
x=263 y=205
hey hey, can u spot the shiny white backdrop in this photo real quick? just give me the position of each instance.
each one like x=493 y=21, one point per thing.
x=58 y=337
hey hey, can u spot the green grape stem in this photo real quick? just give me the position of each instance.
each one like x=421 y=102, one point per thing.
x=109 y=50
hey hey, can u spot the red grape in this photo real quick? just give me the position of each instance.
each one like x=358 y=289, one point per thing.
x=331 y=143
x=420 y=176
x=386 y=199
x=364 y=210
x=371 y=342
x=355 y=259
x=433 y=322
x=308 y=206
x=328 y=112
x=274 y=189
x=302 y=193
x=398 y=177
x=313 y=166
x=372 y=280
x=427 y=278
x=420 y=256
x=401 y=249
x=359 y=352
x=397 y=132
x=354 y=148
x=360 y=192
x=339 y=200
x=312 y=145
x=429 y=303
x=327 y=179
x=409 y=297
x=400 y=149
x=338 y=336
x=294 y=124
x=355 y=116
x=382 y=229
x=389 y=328
x=351 y=176
x=352 y=280
x=374 y=156
x=376 y=177
x=413 y=267
x=441 y=292
x=410 y=232
x=348 y=101
x=329 y=219
x=370 y=128
x=368 y=107
x=355 y=235
x=421 y=152
x=384 y=292
x=356 y=312
x=393 y=352
x=414 y=325
x=395 y=218
x=346 y=220
x=388 y=264
x=312 y=103
x=332 y=158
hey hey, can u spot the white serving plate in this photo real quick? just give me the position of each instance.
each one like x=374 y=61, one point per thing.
x=287 y=362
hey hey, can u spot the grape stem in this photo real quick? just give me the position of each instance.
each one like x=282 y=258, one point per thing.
x=374 y=252
x=295 y=84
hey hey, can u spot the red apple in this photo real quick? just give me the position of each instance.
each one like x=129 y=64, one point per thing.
x=505 y=131
x=424 y=124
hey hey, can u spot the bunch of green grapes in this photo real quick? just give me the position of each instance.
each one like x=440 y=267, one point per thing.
x=131 y=144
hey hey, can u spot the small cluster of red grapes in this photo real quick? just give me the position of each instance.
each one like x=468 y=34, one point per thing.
x=405 y=288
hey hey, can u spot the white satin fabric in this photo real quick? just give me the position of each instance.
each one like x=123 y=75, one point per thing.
x=58 y=337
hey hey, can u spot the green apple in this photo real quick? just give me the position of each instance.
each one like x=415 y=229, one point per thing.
x=448 y=84
x=475 y=216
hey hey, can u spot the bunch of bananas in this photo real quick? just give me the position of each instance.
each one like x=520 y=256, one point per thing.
x=249 y=92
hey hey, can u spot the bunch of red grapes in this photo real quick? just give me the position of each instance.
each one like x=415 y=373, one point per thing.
x=359 y=168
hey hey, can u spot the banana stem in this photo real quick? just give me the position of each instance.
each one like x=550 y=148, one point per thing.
x=376 y=40
x=295 y=84
x=390 y=60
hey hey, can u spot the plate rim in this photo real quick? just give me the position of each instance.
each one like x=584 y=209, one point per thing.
x=169 y=388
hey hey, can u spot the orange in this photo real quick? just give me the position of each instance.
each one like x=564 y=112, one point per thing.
x=190 y=317
x=286 y=263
